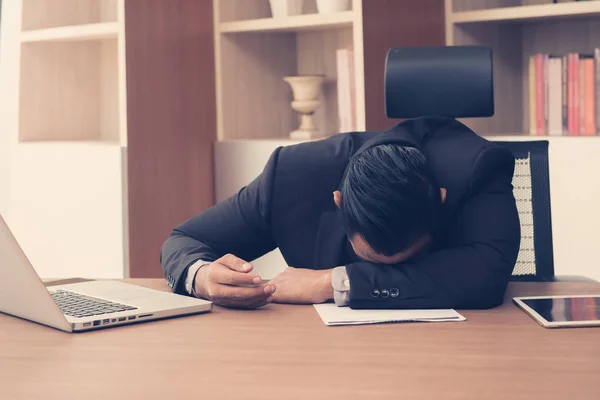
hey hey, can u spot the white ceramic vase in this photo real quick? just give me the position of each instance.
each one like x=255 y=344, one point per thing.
x=306 y=90
x=332 y=6
x=285 y=8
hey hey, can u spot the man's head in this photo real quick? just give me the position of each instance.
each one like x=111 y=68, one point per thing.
x=391 y=203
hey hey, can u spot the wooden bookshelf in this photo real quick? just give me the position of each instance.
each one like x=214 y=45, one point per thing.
x=105 y=106
x=71 y=69
x=254 y=51
x=516 y=30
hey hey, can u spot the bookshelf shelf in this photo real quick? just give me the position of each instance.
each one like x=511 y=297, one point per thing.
x=297 y=23
x=91 y=91
x=97 y=31
x=529 y=12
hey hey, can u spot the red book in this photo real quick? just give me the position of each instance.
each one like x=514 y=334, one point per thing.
x=590 y=104
x=570 y=94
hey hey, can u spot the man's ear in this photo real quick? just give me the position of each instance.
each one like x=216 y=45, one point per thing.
x=337 y=198
x=443 y=194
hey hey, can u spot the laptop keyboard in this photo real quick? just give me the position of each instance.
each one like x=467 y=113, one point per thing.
x=80 y=306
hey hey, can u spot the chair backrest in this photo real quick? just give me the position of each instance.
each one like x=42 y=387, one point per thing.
x=441 y=81
x=531 y=182
x=457 y=82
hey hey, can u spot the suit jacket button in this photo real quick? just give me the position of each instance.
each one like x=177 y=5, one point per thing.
x=374 y=293
x=385 y=293
x=394 y=292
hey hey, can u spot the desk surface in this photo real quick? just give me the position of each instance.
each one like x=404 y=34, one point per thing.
x=286 y=352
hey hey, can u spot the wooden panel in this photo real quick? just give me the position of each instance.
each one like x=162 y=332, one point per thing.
x=255 y=100
x=62 y=89
x=108 y=10
x=558 y=38
x=317 y=55
x=394 y=23
x=171 y=121
x=506 y=44
x=39 y=14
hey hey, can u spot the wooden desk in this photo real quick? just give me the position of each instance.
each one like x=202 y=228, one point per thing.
x=286 y=352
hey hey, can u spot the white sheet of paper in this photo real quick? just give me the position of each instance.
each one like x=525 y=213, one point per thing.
x=334 y=315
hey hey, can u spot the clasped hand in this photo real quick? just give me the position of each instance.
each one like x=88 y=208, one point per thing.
x=229 y=282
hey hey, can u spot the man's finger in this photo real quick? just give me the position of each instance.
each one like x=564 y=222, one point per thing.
x=226 y=276
x=248 y=294
x=235 y=263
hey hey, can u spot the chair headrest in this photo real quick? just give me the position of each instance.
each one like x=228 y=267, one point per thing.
x=444 y=81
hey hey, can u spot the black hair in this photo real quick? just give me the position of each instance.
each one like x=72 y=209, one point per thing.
x=390 y=197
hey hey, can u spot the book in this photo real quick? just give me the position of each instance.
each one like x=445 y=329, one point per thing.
x=532 y=97
x=555 y=97
x=564 y=93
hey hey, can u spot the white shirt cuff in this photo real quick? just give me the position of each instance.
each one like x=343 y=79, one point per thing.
x=191 y=275
x=341 y=286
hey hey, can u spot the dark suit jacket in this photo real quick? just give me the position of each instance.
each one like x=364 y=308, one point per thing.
x=290 y=206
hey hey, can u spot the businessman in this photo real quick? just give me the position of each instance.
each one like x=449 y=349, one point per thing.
x=419 y=216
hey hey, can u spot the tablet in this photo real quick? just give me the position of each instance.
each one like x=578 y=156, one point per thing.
x=562 y=311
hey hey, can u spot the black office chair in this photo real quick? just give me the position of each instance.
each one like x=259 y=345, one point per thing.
x=457 y=82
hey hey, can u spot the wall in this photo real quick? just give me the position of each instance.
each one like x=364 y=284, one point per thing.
x=6 y=29
x=574 y=186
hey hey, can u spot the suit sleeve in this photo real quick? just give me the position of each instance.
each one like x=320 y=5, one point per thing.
x=239 y=225
x=471 y=272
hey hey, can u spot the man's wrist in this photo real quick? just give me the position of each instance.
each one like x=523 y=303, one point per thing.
x=327 y=288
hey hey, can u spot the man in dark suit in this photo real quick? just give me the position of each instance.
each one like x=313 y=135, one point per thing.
x=420 y=216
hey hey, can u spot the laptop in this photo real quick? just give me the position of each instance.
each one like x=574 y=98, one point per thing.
x=82 y=306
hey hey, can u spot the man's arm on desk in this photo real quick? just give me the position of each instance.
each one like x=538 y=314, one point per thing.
x=240 y=226
x=473 y=271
